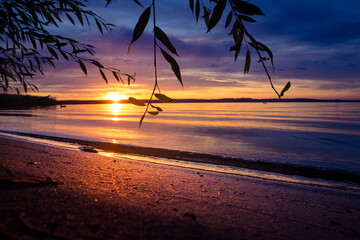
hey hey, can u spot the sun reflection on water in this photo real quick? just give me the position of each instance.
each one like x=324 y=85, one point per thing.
x=115 y=110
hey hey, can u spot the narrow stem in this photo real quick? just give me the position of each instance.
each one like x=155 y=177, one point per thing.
x=155 y=43
x=258 y=52
x=155 y=65
x=267 y=73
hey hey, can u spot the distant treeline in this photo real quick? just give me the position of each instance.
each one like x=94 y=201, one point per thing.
x=245 y=100
x=19 y=101
x=248 y=100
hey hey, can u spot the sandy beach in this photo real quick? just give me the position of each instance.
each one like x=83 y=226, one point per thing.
x=90 y=196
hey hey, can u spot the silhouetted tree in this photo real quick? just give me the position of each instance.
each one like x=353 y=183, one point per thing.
x=26 y=45
x=238 y=13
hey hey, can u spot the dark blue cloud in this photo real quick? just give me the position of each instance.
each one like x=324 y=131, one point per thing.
x=315 y=22
x=315 y=40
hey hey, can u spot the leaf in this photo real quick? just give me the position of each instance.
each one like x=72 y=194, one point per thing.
x=99 y=25
x=287 y=86
x=258 y=47
x=217 y=13
x=247 y=8
x=56 y=16
x=268 y=51
x=228 y=19
x=33 y=42
x=61 y=44
x=163 y=97
x=237 y=51
x=79 y=16
x=136 y=102
x=82 y=65
x=121 y=78
x=7 y=73
x=48 y=17
x=35 y=87
x=191 y=2
x=103 y=75
x=174 y=65
x=116 y=76
x=206 y=15
x=234 y=31
x=96 y=63
x=238 y=42
x=157 y=108
x=76 y=51
x=6 y=82
x=246 y=18
x=197 y=10
x=153 y=113
x=24 y=86
x=87 y=20
x=52 y=51
x=141 y=24
x=137 y=2
x=108 y=2
x=141 y=120
x=51 y=63
x=70 y=18
x=165 y=40
x=247 y=62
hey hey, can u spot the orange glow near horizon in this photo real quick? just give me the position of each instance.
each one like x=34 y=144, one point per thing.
x=299 y=89
x=115 y=110
x=114 y=96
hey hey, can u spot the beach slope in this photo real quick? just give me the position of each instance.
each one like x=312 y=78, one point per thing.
x=84 y=195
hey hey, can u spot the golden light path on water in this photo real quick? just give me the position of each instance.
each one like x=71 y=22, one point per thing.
x=194 y=165
x=249 y=116
x=115 y=111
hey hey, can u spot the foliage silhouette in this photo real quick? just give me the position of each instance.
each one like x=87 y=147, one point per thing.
x=239 y=11
x=26 y=46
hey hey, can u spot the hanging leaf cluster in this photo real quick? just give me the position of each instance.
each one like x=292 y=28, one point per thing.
x=238 y=12
x=26 y=45
x=167 y=49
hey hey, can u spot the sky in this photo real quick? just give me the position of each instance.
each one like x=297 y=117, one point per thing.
x=316 y=46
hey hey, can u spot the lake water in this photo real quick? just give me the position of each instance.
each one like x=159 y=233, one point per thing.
x=316 y=135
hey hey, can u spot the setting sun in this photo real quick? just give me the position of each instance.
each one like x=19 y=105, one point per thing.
x=114 y=96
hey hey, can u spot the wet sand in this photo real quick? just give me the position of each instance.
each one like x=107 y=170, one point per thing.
x=98 y=197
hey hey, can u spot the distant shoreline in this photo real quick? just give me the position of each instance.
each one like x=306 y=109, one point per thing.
x=19 y=101
x=221 y=100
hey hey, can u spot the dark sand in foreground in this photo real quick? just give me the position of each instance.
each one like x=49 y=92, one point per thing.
x=99 y=198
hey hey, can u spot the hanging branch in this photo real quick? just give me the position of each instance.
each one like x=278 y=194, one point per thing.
x=240 y=11
x=155 y=71
x=158 y=34
x=26 y=46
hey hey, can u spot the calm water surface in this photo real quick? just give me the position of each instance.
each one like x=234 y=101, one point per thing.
x=324 y=135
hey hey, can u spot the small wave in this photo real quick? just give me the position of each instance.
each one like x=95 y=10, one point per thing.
x=274 y=171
